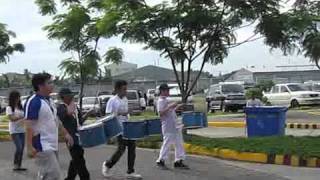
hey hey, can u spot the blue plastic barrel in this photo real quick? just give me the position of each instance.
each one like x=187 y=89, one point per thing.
x=194 y=120
x=265 y=121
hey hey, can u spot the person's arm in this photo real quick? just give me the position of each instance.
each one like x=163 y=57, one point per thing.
x=12 y=117
x=164 y=108
x=31 y=115
x=63 y=112
x=29 y=132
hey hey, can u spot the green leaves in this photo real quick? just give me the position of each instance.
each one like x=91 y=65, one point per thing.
x=114 y=55
x=7 y=49
x=47 y=7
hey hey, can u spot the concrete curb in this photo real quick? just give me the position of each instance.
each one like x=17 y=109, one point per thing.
x=229 y=154
x=239 y=124
x=234 y=124
x=303 y=125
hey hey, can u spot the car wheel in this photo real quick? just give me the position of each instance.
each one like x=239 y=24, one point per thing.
x=234 y=110
x=224 y=108
x=294 y=103
x=212 y=111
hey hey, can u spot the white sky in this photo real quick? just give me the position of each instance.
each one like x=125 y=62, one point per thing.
x=22 y=17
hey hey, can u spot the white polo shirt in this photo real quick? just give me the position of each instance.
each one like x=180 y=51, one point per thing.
x=168 y=120
x=118 y=105
x=42 y=111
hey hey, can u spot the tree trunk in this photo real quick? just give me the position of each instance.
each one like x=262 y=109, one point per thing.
x=81 y=94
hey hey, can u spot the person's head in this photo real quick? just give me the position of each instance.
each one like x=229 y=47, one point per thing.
x=164 y=90
x=14 y=100
x=42 y=83
x=120 y=88
x=66 y=95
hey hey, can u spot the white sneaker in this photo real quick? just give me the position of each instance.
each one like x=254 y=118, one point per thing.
x=133 y=176
x=106 y=172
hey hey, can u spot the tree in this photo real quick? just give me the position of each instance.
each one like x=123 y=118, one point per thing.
x=296 y=30
x=77 y=31
x=185 y=31
x=7 y=49
x=27 y=76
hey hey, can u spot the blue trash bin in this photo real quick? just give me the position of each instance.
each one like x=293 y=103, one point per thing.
x=266 y=121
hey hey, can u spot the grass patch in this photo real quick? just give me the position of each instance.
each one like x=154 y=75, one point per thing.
x=301 y=146
x=144 y=115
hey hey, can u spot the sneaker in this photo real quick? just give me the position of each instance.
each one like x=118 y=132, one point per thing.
x=180 y=165
x=22 y=169
x=133 y=176
x=106 y=172
x=161 y=164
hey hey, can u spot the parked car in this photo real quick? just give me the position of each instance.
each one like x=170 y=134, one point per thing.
x=175 y=96
x=91 y=104
x=292 y=95
x=3 y=103
x=150 y=96
x=226 y=96
x=134 y=102
x=103 y=103
x=101 y=93
x=312 y=86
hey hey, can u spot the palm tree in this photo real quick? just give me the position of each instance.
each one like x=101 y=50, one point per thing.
x=6 y=49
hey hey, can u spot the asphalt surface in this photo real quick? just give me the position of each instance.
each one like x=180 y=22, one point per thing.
x=201 y=168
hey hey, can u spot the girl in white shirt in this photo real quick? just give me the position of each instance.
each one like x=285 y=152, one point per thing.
x=16 y=127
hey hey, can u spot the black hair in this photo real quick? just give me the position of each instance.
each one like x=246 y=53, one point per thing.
x=40 y=79
x=14 y=96
x=119 y=84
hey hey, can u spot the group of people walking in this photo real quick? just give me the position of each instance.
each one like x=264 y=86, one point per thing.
x=38 y=121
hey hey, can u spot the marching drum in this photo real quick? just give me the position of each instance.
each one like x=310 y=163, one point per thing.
x=92 y=135
x=153 y=127
x=134 y=130
x=111 y=126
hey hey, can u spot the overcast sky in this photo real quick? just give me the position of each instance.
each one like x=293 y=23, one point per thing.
x=22 y=17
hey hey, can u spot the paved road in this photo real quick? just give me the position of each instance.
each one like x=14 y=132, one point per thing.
x=202 y=168
x=293 y=116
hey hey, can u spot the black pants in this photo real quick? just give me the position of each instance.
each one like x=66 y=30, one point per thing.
x=77 y=164
x=122 y=143
x=18 y=140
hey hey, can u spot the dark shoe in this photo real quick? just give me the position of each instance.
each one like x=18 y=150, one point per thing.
x=22 y=169
x=180 y=165
x=161 y=164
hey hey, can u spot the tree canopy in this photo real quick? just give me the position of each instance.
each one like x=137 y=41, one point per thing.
x=6 y=48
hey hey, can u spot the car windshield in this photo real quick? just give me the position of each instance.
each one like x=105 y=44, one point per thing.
x=296 y=87
x=90 y=101
x=132 y=95
x=232 y=88
x=174 y=91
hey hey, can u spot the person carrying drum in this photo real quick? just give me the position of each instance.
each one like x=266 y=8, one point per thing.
x=72 y=119
x=118 y=106
x=171 y=130
x=42 y=128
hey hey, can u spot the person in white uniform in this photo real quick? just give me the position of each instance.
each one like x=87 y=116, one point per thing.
x=118 y=106
x=254 y=102
x=171 y=130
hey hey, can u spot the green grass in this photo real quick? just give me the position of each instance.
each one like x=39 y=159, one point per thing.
x=301 y=146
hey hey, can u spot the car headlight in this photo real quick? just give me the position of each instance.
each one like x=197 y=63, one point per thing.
x=304 y=95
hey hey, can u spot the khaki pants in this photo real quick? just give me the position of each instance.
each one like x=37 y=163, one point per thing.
x=48 y=164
